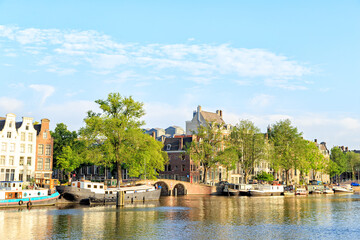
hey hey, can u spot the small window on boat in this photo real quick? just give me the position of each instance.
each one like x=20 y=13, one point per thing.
x=25 y=194
x=73 y=184
x=110 y=192
x=38 y=193
x=95 y=186
x=106 y=192
x=13 y=184
x=89 y=186
x=101 y=186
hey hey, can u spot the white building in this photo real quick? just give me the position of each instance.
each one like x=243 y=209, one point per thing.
x=17 y=153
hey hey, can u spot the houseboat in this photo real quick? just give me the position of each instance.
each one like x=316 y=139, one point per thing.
x=300 y=191
x=244 y=189
x=86 y=192
x=328 y=191
x=266 y=190
x=12 y=194
x=230 y=190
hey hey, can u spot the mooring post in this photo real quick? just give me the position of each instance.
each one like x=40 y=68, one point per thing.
x=120 y=198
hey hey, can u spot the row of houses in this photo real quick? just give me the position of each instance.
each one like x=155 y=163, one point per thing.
x=26 y=152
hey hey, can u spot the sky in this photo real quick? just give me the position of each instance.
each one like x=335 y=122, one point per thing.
x=264 y=61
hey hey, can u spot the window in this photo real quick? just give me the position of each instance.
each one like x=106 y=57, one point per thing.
x=48 y=150
x=10 y=124
x=41 y=149
x=183 y=168
x=12 y=175
x=12 y=147
x=21 y=176
x=45 y=135
x=89 y=186
x=2 y=174
x=40 y=164
x=30 y=137
x=47 y=164
x=11 y=160
x=95 y=186
x=21 y=161
x=27 y=127
x=22 y=136
x=8 y=134
x=168 y=147
x=22 y=148
x=3 y=147
x=2 y=160
x=47 y=175
x=29 y=148
x=29 y=161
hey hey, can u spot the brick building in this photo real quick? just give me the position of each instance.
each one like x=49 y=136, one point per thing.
x=180 y=166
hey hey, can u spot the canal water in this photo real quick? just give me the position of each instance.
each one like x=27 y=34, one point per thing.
x=193 y=217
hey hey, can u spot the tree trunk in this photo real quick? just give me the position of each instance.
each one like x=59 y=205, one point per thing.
x=246 y=175
x=119 y=177
x=287 y=176
x=205 y=175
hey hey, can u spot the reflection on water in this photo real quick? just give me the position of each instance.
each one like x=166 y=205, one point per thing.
x=193 y=217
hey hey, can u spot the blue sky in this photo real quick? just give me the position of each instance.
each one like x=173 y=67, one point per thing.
x=257 y=60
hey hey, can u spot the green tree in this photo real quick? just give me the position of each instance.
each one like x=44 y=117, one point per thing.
x=248 y=144
x=315 y=159
x=264 y=176
x=353 y=161
x=115 y=135
x=204 y=150
x=228 y=158
x=68 y=160
x=62 y=138
x=340 y=166
x=286 y=141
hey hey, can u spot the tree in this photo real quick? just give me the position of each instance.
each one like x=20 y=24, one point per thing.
x=338 y=157
x=249 y=145
x=116 y=136
x=68 y=160
x=204 y=150
x=353 y=161
x=264 y=176
x=62 y=138
x=286 y=141
x=315 y=159
x=228 y=158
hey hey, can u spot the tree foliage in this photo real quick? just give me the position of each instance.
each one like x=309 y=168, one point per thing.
x=204 y=150
x=248 y=144
x=264 y=176
x=114 y=136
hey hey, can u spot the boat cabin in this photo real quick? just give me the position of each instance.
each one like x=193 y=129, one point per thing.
x=11 y=185
x=93 y=186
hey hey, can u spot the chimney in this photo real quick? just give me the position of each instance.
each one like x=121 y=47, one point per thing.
x=198 y=113
x=346 y=149
x=220 y=111
x=153 y=135
x=199 y=108
x=315 y=140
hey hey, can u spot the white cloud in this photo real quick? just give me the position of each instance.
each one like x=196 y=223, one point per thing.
x=46 y=91
x=8 y=105
x=199 y=61
x=261 y=100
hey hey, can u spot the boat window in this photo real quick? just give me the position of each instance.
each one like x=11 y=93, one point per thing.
x=25 y=194
x=95 y=186
x=13 y=184
x=73 y=184
x=106 y=192
x=89 y=186
x=101 y=187
x=110 y=192
x=38 y=193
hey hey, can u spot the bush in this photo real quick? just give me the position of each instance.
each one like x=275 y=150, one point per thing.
x=264 y=176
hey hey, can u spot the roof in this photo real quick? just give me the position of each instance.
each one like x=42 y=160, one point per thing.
x=37 y=128
x=2 y=124
x=212 y=117
x=176 y=142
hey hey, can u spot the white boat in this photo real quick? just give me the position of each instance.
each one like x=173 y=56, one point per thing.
x=301 y=191
x=266 y=190
x=328 y=191
x=12 y=194
x=86 y=192
x=244 y=189
x=343 y=189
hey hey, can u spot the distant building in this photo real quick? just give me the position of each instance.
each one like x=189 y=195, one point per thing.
x=21 y=144
x=174 y=130
x=202 y=118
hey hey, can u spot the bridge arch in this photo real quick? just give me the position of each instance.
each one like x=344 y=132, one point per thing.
x=180 y=189
x=164 y=188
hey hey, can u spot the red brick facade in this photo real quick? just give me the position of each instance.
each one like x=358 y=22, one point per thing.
x=44 y=153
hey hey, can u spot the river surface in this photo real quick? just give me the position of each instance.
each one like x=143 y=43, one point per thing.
x=193 y=217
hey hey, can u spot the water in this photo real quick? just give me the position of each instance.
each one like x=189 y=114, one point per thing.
x=193 y=217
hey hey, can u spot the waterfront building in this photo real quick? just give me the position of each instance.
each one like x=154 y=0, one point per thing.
x=19 y=148
x=180 y=166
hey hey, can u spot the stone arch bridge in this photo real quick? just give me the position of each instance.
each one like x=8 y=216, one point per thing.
x=174 y=187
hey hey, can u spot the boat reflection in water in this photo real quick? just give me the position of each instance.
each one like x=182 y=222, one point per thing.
x=193 y=217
